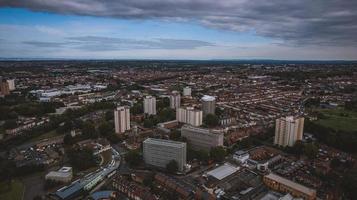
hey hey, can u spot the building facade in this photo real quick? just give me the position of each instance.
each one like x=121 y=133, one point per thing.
x=175 y=100
x=159 y=153
x=288 y=130
x=202 y=138
x=189 y=115
x=150 y=105
x=187 y=91
x=208 y=105
x=122 y=119
x=4 y=88
x=11 y=83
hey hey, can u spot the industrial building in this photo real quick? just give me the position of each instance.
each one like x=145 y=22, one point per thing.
x=281 y=184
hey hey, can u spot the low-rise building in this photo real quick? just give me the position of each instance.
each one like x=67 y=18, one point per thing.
x=65 y=174
x=281 y=184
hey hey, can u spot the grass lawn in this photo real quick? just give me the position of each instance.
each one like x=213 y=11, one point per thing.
x=14 y=192
x=50 y=134
x=339 y=119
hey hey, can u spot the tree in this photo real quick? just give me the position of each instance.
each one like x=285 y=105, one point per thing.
x=310 y=150
x=166 y=114
x=81 y=159
x=203 y=155
x=89 y=129
x=109 y=115
x=211 y=120
x=175 y=135
x=172 y=166
x=137 y=108
x=349 y=183
x=133 y=158
x=218 y=153
x=105 y=128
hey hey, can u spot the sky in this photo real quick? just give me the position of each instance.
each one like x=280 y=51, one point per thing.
x=179 y=29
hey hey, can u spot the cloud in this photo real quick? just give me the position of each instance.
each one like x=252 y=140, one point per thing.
x=97 y=43
x=295 y=22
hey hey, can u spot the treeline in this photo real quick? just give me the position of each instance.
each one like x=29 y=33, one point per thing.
x=55 y=122
x=346 y=141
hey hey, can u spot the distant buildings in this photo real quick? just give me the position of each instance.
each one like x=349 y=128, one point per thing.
x=189 y=115
x=175 y=100
x=159 y=153
x=11 y=83
x=65 y=174
x=186 y=91
x=208 y=104
x=122 y=119
x=4 y=87
x=150 y=105
x=281 y=184
x=288 y=130
x=201 y=138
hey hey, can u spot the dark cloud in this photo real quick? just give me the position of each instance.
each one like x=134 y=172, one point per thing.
x=96 y=43
x=45 y=44
x=297 y=22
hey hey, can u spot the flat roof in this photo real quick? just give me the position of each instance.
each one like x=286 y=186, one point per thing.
x=165 y=142
x=291 y=184
x=223 y=171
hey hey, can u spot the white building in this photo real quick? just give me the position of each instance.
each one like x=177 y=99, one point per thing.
x=150 y=105
x=187 y=91
x=122 y=119
x=159 y=153
x=241 y=156
x=189 y=115
x=65 y=174
x=11 y=83
x=202 y=138
x=208 y=105
x=288 y=130
x=175 y=100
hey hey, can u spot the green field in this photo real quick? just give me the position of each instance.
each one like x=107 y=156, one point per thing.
x=47 y=135
x=14 y=192
x=338 y=119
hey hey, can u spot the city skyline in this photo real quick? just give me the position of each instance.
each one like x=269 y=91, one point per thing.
x=294 y=30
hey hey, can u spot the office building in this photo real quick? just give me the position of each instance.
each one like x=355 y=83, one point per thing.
x=11 y=83
x=122 y=119
x=281 y=184
x=150 y=105
x=175 y=100
x=187 y=91
x=159 y=153
x=288 y=130
x=202 y=138
x=189 y=115
x=208 y=105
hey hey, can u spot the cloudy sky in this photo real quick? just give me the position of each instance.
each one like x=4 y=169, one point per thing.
x=179 y=29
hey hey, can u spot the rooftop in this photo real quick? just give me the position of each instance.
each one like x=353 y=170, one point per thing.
x=165 y=142
x=291 y=184
x=223 y=171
